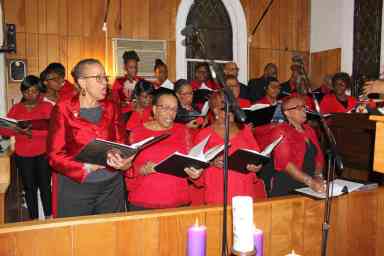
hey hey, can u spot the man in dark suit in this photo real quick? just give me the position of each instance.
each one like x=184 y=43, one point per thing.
x=256 y=87
x=231 y=69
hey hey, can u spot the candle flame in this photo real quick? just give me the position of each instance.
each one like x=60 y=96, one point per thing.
x=196 y=222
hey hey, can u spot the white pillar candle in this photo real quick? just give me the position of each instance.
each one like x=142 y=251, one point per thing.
x=242 y=210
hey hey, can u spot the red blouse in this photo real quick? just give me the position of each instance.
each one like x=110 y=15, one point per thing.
x=117 y=89
x=210 y=83
x=330 y=104
x=138 y=118
x=157 y=190
x=69 y=133
x=67 y=91
x=293 y=146
x=35 y=145
x=238 y=183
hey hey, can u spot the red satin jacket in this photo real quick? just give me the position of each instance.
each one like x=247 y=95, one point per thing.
x=238 y=183
x=244 y=103
x=35 y=145
x=117 y=89
x=210 y=83
x=330 y=104
x=67 y=91
x=69 y=133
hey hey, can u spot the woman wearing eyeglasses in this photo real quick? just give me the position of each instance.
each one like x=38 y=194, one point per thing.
x=298 y=159
x=339 y=101
x=148 y=189
x=239 y=184
x=86 y=189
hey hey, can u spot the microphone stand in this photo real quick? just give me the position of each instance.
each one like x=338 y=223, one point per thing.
x=227 y=105
x=333 y=161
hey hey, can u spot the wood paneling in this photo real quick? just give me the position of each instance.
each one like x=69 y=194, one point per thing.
x=325 y=63
x=288 y=223
x=69 y=30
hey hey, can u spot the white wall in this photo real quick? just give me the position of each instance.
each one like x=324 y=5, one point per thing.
x=332 y=27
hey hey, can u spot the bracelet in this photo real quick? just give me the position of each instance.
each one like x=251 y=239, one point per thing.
x=87 y=168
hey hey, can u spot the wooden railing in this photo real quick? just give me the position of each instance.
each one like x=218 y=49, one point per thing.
x=357 y=228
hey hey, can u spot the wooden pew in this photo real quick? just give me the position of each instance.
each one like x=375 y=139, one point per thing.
x=357 y=228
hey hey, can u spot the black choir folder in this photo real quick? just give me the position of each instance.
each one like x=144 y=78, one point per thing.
x=177 y=162
x=186 y=117
x=16 y=125
x=96 y=151
x=238 y=160
x=260 y=114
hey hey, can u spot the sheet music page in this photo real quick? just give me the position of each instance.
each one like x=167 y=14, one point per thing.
x=257 y=107
x=198 y=150
x=205 y=109
x=142 y=142
x=268 y=149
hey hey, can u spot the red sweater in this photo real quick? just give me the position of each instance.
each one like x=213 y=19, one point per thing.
x=330 y=104
x=158 y=190
x=36 y=145
x=244 y=103
x=293 y=146
x=238 y=183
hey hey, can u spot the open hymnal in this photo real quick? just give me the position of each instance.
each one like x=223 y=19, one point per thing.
x=239 y=160
x=339 y=186
x=96 y=151
x=177 y=162
x=17 y=125
x=187 y=116
x=260 y=114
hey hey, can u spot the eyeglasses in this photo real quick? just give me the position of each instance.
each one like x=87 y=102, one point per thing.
x=298 y=107
x=164 y=108
x=98 y=78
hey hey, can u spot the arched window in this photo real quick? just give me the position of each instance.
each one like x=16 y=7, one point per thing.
x=223 y=28
x=213 y=24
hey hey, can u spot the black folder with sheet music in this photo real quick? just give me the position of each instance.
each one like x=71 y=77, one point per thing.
x=260 y=114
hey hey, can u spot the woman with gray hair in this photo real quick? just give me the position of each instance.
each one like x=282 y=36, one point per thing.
x=86 y=189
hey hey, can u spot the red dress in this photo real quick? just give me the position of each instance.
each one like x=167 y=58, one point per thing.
x=330 y=104
x=69 y=133
x=36 y=144
x=210 y=84
x=67 y=91
x=157 y=190
x=238 y=183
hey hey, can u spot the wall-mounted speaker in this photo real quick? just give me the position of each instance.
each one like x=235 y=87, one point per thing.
x=10 y=37
x=17 y=70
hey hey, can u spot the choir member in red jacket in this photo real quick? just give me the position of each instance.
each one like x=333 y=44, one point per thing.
x=339 y=101
x=161 y=75
x=298 y=159
x=211 y=181
x=57 y=87
x=84 y=188
x=30 y=151
x=234 y=85
x=148 y=189
x=141 y=105
x=123 y=87
x=203 y=78
x=272 y=91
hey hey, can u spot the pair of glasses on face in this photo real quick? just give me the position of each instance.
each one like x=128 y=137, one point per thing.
x=298 y=107
x=98 y=78
x=165 y=108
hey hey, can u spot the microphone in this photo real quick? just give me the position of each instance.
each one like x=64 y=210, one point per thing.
x=234 y=105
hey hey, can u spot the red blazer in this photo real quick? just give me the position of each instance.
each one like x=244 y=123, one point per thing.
x=238 y=183
x=117 y=89
x=36 y=145
x=69 y=133
x=157 y=190
x=138 y=118
x=210 y=83
x=293 y=146
x=67 y=91
x=264 y=100
x=330 y=104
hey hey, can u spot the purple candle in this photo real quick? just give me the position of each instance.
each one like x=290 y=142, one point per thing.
x=258 y=240
x=197 y=236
